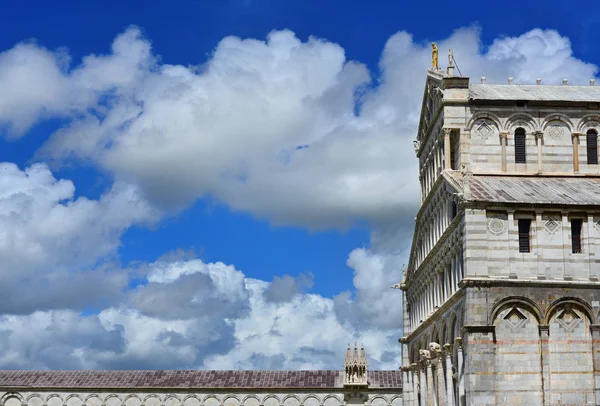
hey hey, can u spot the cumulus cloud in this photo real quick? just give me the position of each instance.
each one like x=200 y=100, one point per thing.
x=36 y=83
x=286 y=130
x=193 y=315
x=54 y=248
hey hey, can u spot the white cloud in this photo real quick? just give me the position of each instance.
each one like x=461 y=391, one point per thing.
x=35 y=82
x=49 y=240
x=226 y=324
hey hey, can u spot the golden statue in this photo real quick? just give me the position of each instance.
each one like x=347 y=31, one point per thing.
x=434 y=55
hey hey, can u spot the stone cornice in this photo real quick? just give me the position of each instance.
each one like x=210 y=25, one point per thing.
x=488 y=282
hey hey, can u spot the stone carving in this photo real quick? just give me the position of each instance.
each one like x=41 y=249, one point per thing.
x=496 y=225
x=552 y=225
x=515 y=319
x=484 y=130
x=568 y=319
x=416 y=145
x=434 y=55
x=556 y=132
x=434 y=348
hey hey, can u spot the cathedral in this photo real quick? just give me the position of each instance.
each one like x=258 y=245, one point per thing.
x=501 y=292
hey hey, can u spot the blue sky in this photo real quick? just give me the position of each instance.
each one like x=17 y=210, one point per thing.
x=248 y=155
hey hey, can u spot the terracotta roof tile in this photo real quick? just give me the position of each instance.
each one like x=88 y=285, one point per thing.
x=191 y=379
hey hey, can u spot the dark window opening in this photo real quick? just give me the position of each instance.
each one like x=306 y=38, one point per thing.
x=520 y=103
x=453 y=210
x=592 y=147
x=520 y=150
x=524 y=228
x=576 y=235
x=454 y=151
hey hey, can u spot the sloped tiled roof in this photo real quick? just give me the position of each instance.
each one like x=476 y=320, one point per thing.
x=534 y=92
x=534 y=190
x=324 y=379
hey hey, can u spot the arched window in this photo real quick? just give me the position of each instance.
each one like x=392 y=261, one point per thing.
x=520 y=151
x=592 y=147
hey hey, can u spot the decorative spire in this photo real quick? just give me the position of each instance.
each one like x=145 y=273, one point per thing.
x=348 y=357
x=355 y=367
x=355 y=357
x=363 y=356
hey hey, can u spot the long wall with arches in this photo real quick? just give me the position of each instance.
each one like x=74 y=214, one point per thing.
x=197 y=388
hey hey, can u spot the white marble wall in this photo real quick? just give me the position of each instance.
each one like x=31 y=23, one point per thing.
x=132 y=398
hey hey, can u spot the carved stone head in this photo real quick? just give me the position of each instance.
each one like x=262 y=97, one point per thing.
x=435 y=348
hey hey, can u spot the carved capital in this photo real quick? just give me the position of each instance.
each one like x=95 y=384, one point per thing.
x=458 y=343
x=538 y=134
x=447 y=350
x=504 y=135
x=575 y=135
x=544 y=331
x=447 y=131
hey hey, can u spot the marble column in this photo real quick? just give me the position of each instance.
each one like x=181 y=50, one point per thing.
x=447 y=149
x=423 y=382
x=575 y=137
x=439 y=368
x=461 y=383
x=431 y=396
x=449 y=386
x=415 y=385
x=503 y=143
x=538 y=139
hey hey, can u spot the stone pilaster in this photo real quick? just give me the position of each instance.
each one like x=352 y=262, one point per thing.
x=595 y=328
x=503 y=144
x=545 y=358
x=461 y=382
x=539 y=138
